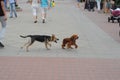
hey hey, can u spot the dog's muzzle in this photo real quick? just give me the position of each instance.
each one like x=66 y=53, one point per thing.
x=56 y=40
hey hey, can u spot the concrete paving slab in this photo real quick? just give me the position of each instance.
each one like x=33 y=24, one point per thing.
x=63 y=20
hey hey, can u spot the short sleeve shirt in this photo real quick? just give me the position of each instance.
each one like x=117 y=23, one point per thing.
x=44 y=3
x=1 y=11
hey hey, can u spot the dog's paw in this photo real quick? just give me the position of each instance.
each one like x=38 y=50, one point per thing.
x=76 y=46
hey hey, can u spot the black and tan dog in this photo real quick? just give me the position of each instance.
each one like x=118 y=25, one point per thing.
x=40 y=38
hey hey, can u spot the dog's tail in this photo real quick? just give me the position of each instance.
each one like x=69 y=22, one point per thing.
x=25 y=36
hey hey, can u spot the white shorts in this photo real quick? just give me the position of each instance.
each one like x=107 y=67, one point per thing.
x=35 y=10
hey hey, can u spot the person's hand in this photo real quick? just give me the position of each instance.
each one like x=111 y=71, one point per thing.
x=5 y=18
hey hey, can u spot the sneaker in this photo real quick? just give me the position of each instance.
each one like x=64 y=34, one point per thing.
x=1 y=45
x=43 y=21
x=35 y=21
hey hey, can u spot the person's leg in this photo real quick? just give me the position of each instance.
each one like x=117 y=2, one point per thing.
x=43 y=14
x=34 y=14
x=5 y=2
x=2 y=31
x=3 y=23
x=98 y=5
x=14 y=9
x=78 y=3
x=11 y=11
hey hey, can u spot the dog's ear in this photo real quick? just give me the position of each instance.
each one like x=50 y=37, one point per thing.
x=72 y=37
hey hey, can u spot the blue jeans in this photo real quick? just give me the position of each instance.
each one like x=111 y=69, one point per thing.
x=5 y=2
x=78 y=0
x=12 y=10
x=3 y=23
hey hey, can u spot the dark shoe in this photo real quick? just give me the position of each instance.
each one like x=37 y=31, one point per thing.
x=43 y=21
x=1 y=45
x=35 y=21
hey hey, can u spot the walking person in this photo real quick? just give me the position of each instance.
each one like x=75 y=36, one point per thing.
x=12 y=8
x=98 y=5
x=92 y=5
x=45 y=5
x=3 y=18
x=5 y=3
x=78 y=3
x=35 y=8
x=108 y=6
x=87 y=5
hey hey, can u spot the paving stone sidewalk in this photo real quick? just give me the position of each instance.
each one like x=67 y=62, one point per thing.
x=97 y=57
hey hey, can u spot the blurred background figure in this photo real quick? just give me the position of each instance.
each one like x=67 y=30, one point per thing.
x=12 y=8
x=98 y=5
x=5 y=2
x=87 y=4
x=92 y=5
x=45 y=5
x=3 y=18
x=78 y=3
x=53 y=3
x=35 y=8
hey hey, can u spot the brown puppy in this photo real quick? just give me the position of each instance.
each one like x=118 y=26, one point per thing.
x=70 y=41
x=40 y=38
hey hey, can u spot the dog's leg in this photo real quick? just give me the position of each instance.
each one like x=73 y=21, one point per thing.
x=49 y=44
x=46 y=46
x=25 y=44
x=69 y=46
x=76 y=46
x=63 y=45
x=32 y=41
x=46 y=43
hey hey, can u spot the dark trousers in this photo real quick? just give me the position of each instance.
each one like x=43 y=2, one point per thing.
x=92 y=5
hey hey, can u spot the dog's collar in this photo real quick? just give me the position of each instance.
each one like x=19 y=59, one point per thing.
x=51 y=39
